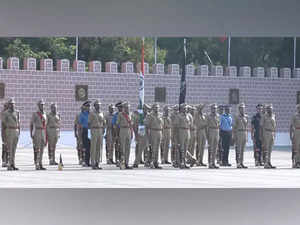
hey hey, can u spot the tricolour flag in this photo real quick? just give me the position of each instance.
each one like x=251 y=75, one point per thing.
x=141 y=129
x=182 y=81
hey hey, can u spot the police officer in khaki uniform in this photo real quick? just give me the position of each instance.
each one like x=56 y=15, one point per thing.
x=295 y=138
x=240 y=134
x=219 y=153
x=4 y=145
x=183 y=123
x=124 y=124
x=53 y=132
x=201 y=133
x=213 y=126
x=11 y=123
x=192 y=143
x=166 y=136
x=154 y=127
x=38 y=134
x=96 y=124
x=263 y=149
x=109 y=141
x=78 y=136
x=116 y=134
x=142 y=140
x=268 y=128
x=135 y=124
x=175 y=152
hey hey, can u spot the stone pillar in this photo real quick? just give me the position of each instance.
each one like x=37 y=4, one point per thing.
x=173 y=69
x=29 y=64
x=95 y=66
x=158 y=68
x=189 y=69
x=111 y=67
x=79 y=66
x=296 y=73
x=1 y=63
x=259 y=72
x=127 y=67
x=63 y=65
x=13 y=63
x=231 y=71
x=272 y=72
x=146 y=68
x=202 y=70
x=217 y=71
x=46 y=64
x=245 y=71
x=285 y=72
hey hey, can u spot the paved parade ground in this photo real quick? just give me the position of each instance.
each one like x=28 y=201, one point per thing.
x=75 y=176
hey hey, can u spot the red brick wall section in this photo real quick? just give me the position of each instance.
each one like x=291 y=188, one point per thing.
x=29 y=86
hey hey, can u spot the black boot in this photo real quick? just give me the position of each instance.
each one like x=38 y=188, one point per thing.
x=128 y=167
x=42 y=168
x=156 y=166
x=14 y=167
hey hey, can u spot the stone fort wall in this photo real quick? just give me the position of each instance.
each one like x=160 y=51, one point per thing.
x=28 y=86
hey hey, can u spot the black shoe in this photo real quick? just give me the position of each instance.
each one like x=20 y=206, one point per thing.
x=193 y=162
x=244 y=167
x=53 y=163
x=183 y=166
x=175 y=165
x=135 y=166
x=156 y=166
x=110 y=162
x=167 y=162
x=261 y=163
x=147 y=164
x=211 y=167
x=239 y=166
x=94 y=167
x=142 y=162
x=42 y=168
x=10 y=168
x=15 y=168
x=269 y=166
x=128 y=167
x=272 y=167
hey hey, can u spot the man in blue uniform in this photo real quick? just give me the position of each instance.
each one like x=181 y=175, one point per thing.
x=83 y=121
x=226 y=134
x=115 y=132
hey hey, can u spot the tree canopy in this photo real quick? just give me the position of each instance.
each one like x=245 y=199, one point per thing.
x=252 y=52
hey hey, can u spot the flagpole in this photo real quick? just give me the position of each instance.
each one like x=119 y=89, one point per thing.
x=295 y=45
x=229 y=42
x=155 y=50
x=76 y=48
x=182 y=80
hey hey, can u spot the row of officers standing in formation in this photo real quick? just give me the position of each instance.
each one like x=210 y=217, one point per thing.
x=182 y=131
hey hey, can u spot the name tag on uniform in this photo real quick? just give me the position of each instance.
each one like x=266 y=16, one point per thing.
x=89 y=134
x=142 y=130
